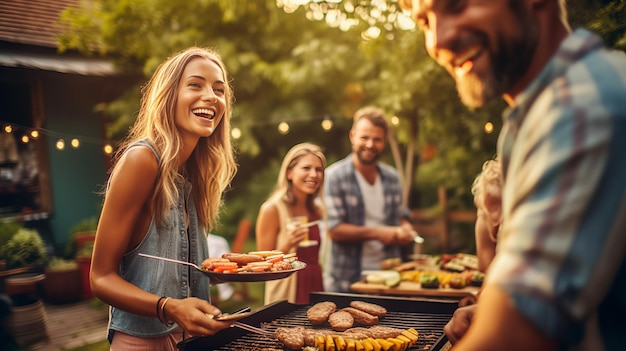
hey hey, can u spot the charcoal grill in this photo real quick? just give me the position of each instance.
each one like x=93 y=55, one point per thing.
x=426 y=316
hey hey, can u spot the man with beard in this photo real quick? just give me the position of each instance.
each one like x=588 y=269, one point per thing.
x=366 y=220
x=558 y=280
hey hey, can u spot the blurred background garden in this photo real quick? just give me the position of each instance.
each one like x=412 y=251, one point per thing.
x=299 y=70
x=71 y=73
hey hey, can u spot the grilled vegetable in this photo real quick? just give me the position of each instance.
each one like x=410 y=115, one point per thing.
x=429 y=281
x=457 y=282
x=403 y=340
x=477 y=278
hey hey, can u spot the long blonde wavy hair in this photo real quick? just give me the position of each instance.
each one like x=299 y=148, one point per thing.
x=283 y=190
x=211 y=166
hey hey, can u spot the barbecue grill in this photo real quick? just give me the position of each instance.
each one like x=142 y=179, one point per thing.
x=426 y=316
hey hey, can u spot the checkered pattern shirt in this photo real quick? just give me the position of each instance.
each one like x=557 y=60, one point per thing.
x=562 y=244
x=344 y=204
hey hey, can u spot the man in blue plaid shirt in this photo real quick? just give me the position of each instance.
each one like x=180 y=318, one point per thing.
x=558 y=280
x=367 y=222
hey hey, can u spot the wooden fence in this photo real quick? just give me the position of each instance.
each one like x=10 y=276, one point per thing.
x=437 y=222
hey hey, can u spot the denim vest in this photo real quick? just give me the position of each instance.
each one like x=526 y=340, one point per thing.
x=168 y=239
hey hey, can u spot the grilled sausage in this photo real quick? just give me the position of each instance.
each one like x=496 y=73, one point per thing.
x=371 y=308
x=241 y=258
x=319 y=312
x=361 y=317
x=340 y=320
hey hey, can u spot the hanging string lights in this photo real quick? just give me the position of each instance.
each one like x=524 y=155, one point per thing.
x=489 y=127
x=283 y=128
x=27 y=134
x=327 y=123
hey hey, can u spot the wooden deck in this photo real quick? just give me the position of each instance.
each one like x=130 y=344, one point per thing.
x=74 y=325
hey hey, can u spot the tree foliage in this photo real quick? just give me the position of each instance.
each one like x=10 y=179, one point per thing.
x=289 y=64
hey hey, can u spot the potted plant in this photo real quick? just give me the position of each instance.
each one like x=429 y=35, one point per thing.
x=80 y=246
x=63 y=281
x=8 y=228
x=80 y=234
x=27 y=321
x=24 y=255
x=25 y=248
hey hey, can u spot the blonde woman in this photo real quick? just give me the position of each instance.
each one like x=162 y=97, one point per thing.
x=298 y=192
x=487 y=191
x=163 y=196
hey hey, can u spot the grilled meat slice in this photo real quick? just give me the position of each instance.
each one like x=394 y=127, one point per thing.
x=379 y=331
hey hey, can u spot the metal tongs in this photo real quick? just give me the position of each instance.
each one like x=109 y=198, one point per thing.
x=255 y=330
x=248 y=327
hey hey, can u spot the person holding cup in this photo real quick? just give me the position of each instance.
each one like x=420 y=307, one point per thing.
x=289 y=221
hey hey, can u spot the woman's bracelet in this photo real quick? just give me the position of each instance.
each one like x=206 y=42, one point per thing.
x=157 y=308
x=164 y=313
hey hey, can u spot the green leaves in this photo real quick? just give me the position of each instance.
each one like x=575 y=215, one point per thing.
x=24 y=248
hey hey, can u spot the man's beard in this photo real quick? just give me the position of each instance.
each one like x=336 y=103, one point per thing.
x=367 y=161
x=508 y=65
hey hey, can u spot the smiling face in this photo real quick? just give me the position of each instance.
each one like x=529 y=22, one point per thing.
x=368 y=141
x=486 y=45
x=201 y=100
x=307 y=175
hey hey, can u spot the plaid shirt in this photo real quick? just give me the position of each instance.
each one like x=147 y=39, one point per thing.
x=562 y=244
x=344 y=204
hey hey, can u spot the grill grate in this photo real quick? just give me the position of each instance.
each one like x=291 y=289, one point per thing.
x=428 y=317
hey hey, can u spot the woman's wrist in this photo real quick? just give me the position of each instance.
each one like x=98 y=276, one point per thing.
x=162 y=312
x=158 y=308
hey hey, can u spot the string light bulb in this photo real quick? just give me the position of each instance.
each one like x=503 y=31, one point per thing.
x=395 y=120
x=8 y=128
x=25 y=139
x=34 y=134
x=489 y=127
x=108 y=149
x=75 y=143
x=283 y=128
x=327 y=123
x=60 y=144
x=235 y=133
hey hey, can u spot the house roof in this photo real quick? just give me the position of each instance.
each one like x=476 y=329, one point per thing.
x=32 y=22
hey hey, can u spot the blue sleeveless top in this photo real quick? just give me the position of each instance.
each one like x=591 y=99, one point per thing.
x=168 y=239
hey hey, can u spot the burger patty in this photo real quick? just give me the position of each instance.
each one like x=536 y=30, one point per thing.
x=320 y=312
x=371 y=308
x=292 y=338
x=340 y=320
x=361 y=317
